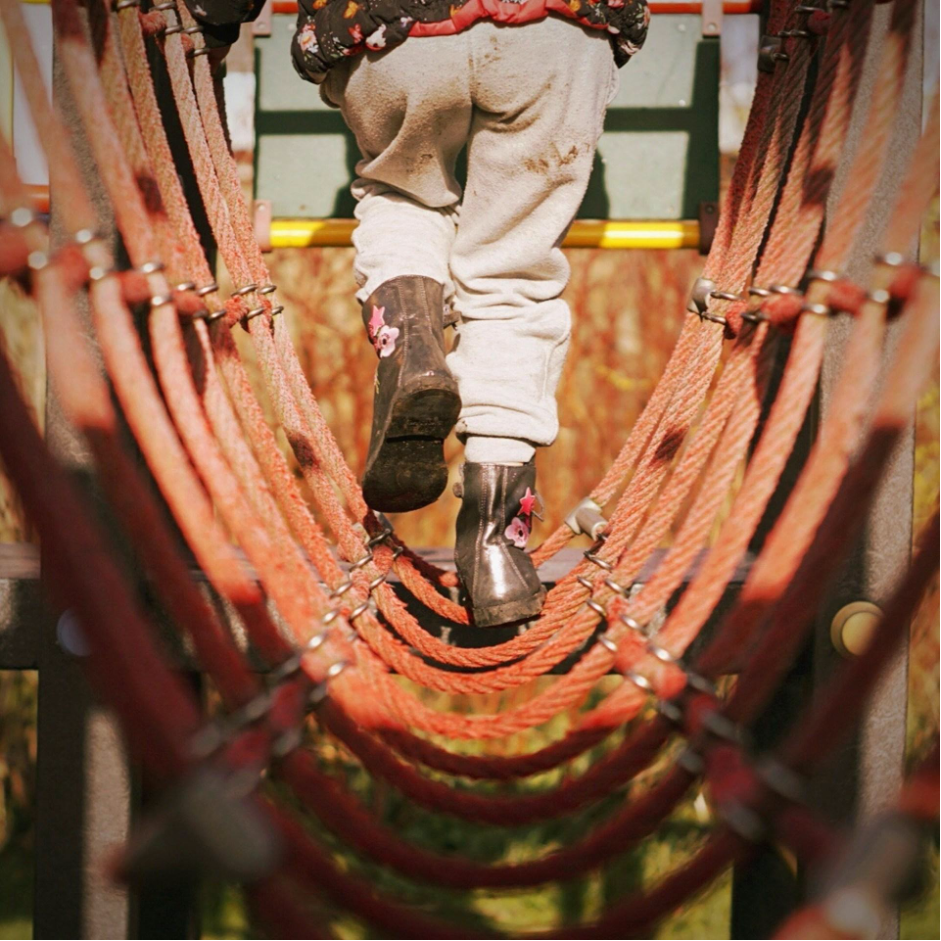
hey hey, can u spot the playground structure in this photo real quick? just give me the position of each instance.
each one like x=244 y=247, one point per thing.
x=342 y=631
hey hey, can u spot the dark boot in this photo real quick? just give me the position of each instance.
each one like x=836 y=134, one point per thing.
x=416 y=402
x=492 y=529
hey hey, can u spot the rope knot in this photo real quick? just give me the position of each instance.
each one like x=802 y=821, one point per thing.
x=153 y=23
x=134 y=287
x=188 y=304
x=902 y=288
x=783 y=311
x=846 y=297
x=235 y=310
x=734 y=319
x=819 y=22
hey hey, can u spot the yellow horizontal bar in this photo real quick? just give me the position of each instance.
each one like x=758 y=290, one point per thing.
x=307 y=233
x=625 y=233
x=585 y=233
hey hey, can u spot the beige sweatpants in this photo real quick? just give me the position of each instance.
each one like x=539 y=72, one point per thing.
x=529 y=103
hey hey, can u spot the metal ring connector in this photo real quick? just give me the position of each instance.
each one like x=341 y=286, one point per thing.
x=381 y=536
x=286 y=668
x=21 y=217
x=782 y=289
x=691 y=761
x=37 y=260
x=329 y=617
x=252 y=711
x=635 y=626
x=166 y=5
x=247 y=289
x=159 y=300
x=84 y=237
x=754 y=316
x=662 y=654
x=277 y=309
x=879 y=296
x=596 y=607
x=726 y=296
x=818 y=310
x=214 y=316
x=639 y=680
x=335 y=669
x=358 y=610
x=823 y=274
x=268 y=289
x=375 y=583
x=616 y=588
x=184 y=286
x=782 y=780
x=99 y=272
x=175 y=28
x=722 y=727
x=341 y=590
x=670 y=711
x=207 y=289
x=125 y=4
x=595 y=559
x=151 y=267
x=699 y=683
x=193 y=30
x=794 y=33
x=359 y=563
x=607 y=643
x=585 y=582
x=207 y=740
x=744 y=821
x=193 y=53
x=715 y=318
x=253 y=313
x=316 y=642
x=756 y=291
x=892 y=259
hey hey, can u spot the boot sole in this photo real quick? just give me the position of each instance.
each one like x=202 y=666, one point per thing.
x=409 y=470
x=511 y=611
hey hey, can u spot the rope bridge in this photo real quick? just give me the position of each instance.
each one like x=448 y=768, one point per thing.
x=244 y=780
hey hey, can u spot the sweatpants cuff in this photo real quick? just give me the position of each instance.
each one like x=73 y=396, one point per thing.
x=480 y=449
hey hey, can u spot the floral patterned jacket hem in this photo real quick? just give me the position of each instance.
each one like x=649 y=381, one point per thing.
x=330 y=30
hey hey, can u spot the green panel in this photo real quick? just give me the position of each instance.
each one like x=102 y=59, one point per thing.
x=658 y=157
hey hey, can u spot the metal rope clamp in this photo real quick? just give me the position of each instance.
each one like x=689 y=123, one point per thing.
x=586 y=519
x=703 y=289
x=769 y=52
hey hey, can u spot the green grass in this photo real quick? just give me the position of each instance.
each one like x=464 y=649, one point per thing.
x=16 y=896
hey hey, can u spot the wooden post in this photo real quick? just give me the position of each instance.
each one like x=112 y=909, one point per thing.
x=863 y=777
x=83 y=791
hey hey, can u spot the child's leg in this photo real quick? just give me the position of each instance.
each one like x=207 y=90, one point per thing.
x=398 y=236
x=410 y=112
x=540 y=93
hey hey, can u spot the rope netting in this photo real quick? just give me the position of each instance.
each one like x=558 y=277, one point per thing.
x=342 y=638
